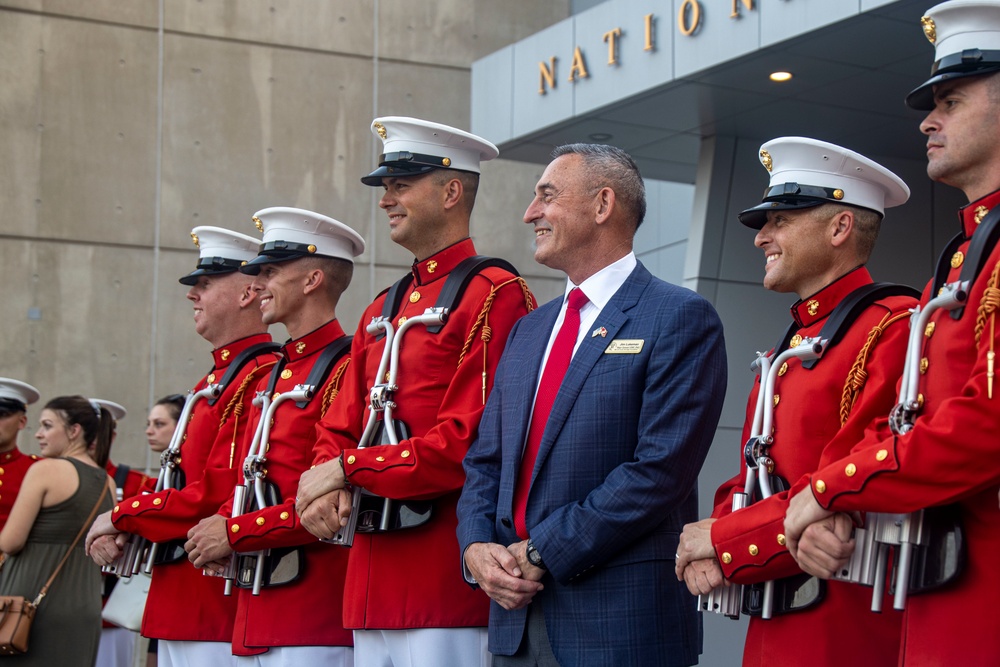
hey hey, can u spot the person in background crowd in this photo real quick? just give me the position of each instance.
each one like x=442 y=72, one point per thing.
x=56 y=499
x=15 y=397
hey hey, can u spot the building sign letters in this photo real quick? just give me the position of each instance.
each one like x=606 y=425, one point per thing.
x=688 y=21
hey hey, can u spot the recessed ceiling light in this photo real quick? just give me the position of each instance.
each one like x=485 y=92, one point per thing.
x=780 y=77
x=600 y=136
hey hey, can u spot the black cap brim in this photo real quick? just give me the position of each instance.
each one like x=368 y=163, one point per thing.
x=374 y=179
x=191 y=279
x=10 y=405
x=756 y=217
x=252 y=268
x=922 y=97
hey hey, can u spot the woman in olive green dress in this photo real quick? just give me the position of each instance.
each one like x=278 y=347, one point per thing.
x=55 y=500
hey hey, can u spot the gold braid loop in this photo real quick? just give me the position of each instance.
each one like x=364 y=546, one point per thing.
x=235 y=405
x=989 y=304
x=333 y=388
x=484 y=313
x=857 y=376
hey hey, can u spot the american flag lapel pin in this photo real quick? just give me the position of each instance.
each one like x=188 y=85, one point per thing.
x=599 y=331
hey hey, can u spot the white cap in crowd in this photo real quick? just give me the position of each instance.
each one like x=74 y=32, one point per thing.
x=117 y=410
x=411 y=146
x=966 y=39
x=16 y=396
x=291 y=233
x=220 y=251
x=808 y=172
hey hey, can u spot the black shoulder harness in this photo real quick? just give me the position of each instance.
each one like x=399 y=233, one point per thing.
x=983 y=242
x=454 y=286
x=239 y=362
x=121 y=474
x=328 y=358
x=320 y=370
x=845 y=313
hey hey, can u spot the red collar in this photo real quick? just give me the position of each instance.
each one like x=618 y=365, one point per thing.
x=440 y=264
x=223 y=356
x=312 y=342
x=970 y=216
x=818 y=306
x=11 y=456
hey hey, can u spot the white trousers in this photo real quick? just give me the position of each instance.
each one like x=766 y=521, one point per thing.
x=422 y=647
x=299 y=656
x=116 y=647
x=172 y=653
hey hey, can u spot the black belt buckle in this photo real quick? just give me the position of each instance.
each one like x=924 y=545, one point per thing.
x=796 y=593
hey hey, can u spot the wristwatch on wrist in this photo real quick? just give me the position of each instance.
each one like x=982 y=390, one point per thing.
x=534 y=557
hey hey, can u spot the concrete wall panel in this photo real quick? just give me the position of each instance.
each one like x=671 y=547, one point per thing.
x=140 y=13
x=90 y=333
x=249 y=127
x=97 y=118
x=456 y=32
x=338 y=27
x=20 y=131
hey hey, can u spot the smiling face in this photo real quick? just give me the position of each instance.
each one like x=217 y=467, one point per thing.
x=414 y=205
x=279 y=288
x=216 y=303
x=963 y=135
x=160 y=427
x=562 y=214
x=797 y=251
x=53 y=435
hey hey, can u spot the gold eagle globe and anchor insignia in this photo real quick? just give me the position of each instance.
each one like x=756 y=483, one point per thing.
x=765 y=159
x=194 y=239
x=260 y=225
x=930 y=30
x=380 y=128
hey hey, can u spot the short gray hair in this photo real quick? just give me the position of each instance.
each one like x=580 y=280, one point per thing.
x=610 y=166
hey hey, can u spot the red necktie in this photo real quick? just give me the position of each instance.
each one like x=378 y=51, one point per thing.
x=552 y=377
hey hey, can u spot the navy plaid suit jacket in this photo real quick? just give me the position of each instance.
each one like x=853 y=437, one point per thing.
x=616 y=475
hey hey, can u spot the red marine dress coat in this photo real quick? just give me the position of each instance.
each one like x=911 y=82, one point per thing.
x=210 y=466
x=308 y=611
x=950 y=456
x=810 y=406
x=13 y=466
x=413 y=578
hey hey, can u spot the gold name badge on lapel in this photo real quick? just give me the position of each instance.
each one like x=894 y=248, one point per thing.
x=625 y=347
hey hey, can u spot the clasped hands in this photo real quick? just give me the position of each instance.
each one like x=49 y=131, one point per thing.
x=819 y=541
x=504 y=573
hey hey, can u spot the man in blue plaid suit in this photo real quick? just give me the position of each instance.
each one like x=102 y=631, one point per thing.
x=579 y=563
